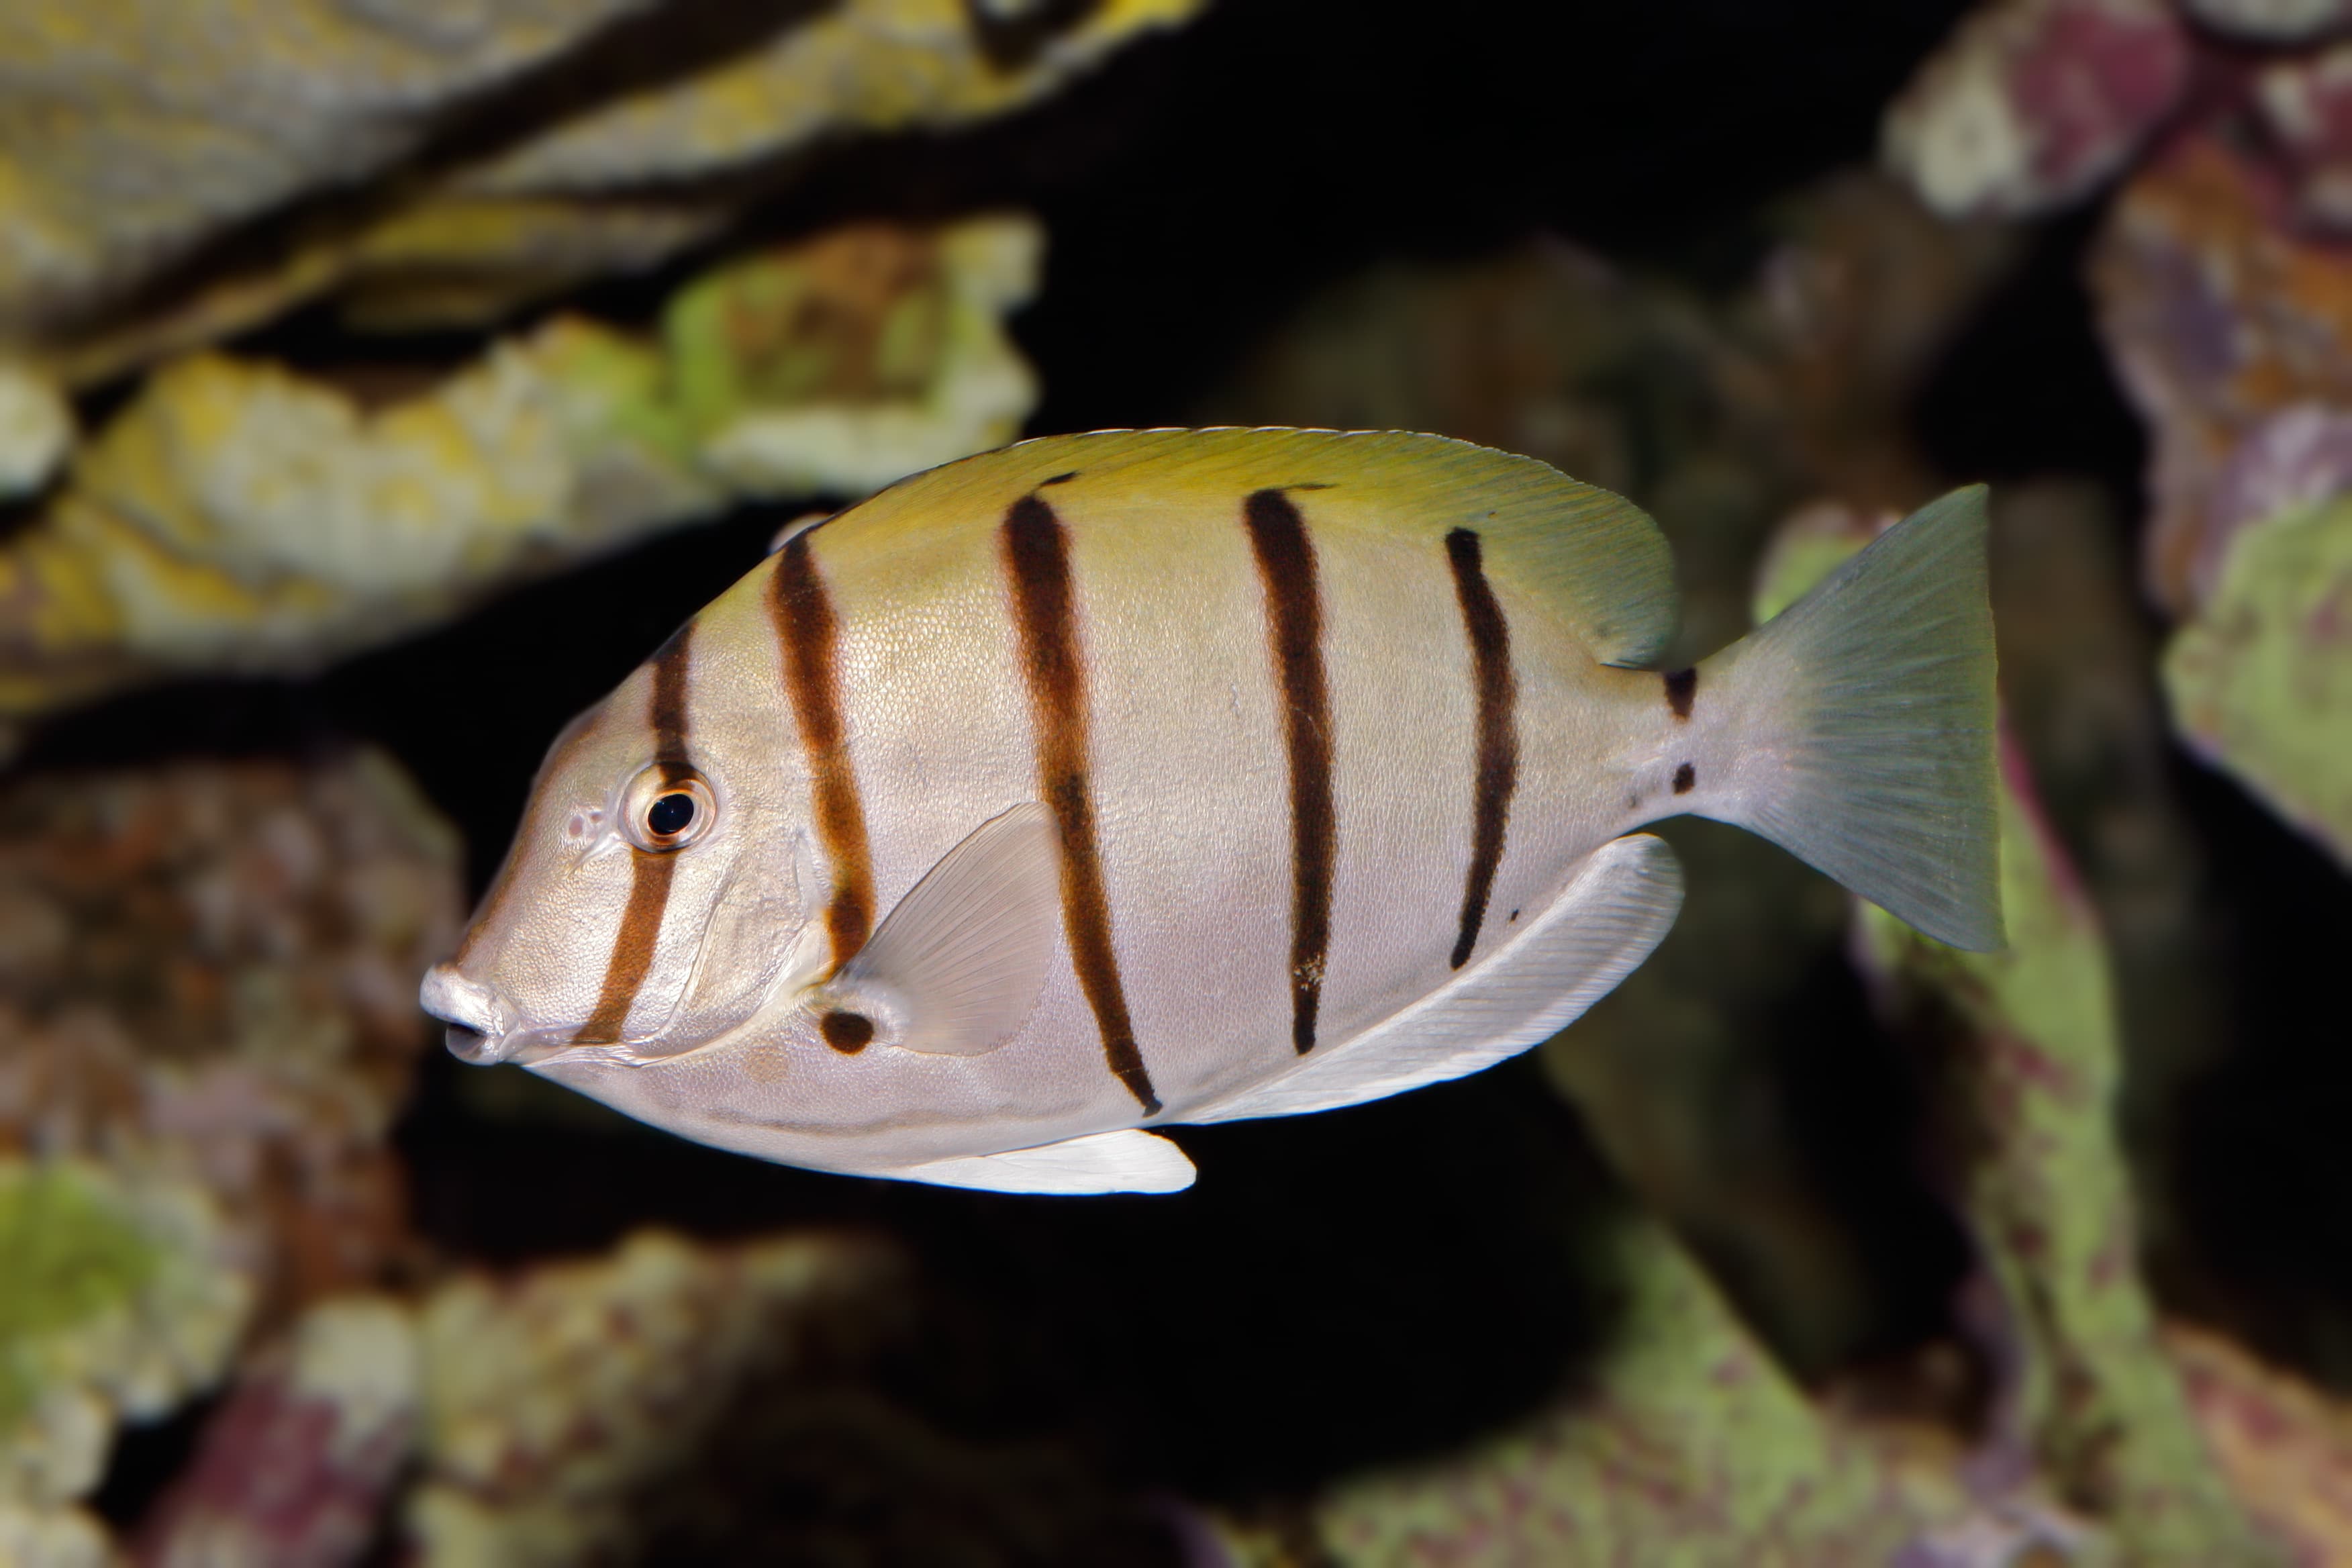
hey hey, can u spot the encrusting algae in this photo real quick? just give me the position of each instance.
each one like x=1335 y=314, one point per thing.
x=119 y=1297
x=521 y=148
x=2260 y=679
x=175 y=179
x=2026 y=1091
x=239 y=517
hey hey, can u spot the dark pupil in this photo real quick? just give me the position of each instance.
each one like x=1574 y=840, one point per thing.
x=670 y=814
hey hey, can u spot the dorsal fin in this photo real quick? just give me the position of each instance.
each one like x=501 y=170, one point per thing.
x=1592 y=553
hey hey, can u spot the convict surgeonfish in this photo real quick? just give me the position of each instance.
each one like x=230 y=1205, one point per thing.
x=1109 y=782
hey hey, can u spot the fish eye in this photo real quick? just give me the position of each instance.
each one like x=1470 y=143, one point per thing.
x=669 y=807
x=670 y=814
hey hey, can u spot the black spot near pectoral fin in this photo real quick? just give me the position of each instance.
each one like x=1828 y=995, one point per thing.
x=1686 y=779
x=846 y=1032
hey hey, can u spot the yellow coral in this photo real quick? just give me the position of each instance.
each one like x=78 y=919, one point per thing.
x=162 y=129
x=237 y=516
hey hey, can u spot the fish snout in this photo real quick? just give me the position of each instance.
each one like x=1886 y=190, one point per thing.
x=478 y=1024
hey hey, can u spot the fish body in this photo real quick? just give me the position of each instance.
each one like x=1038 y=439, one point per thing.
x=1113 y=781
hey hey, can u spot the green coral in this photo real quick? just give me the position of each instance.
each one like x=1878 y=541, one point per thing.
x=65 y=1256
x=1688 y=1446
x=236 y=515
x=2262 y=679
x=120 y=1296
x=2032 y=1068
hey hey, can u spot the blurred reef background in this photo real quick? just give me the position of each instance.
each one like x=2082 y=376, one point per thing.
x=379 y=380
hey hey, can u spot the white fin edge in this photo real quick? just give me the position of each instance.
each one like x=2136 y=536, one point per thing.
x=1618 y=907
x=1127 y=1161
x=958 y=966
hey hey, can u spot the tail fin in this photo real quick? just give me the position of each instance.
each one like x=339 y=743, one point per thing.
x=1867 y=736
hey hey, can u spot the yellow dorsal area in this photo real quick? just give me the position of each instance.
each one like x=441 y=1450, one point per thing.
x=1593 y=554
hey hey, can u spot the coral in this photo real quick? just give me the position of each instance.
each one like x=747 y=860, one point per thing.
x=51 y=1538
x=2299 y=457
x=207 y=974
x=2234 y=335
x=541 y=1417
x=2220 y=272
x=168 y=180
x=2271 y=21
x=552 y=1400
x=2032 y=103
x=544 y=144
x=873 y=65
x=2084 y=707
x=237 y=516
x=2030 y=1065
x=2260 y=679
x=1684 y=1438
x=2218 y=319
x=137 y=130
x=2225 y=304
x=2286 y=1449
x=119 y=1297
x=2305 y=106
x=36 y=429
x=298 y=1462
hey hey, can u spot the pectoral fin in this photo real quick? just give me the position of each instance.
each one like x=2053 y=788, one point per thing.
x=1128 y=1161
x=956 y=969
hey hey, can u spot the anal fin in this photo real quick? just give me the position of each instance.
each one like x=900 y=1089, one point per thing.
x=1618 y=907
x=1124 y=1162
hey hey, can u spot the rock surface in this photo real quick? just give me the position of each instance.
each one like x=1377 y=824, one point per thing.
x=238 y=517
x=208 y=976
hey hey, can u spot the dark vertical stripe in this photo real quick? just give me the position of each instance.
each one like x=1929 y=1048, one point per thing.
x=1037 y=561
x=810 y=636
x=1499 y=731
x=649 y=874
x=1682 y=690
x=1294 y=613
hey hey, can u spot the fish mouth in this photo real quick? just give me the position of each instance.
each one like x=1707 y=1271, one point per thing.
x=469 y=1045
x=481 y=1026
